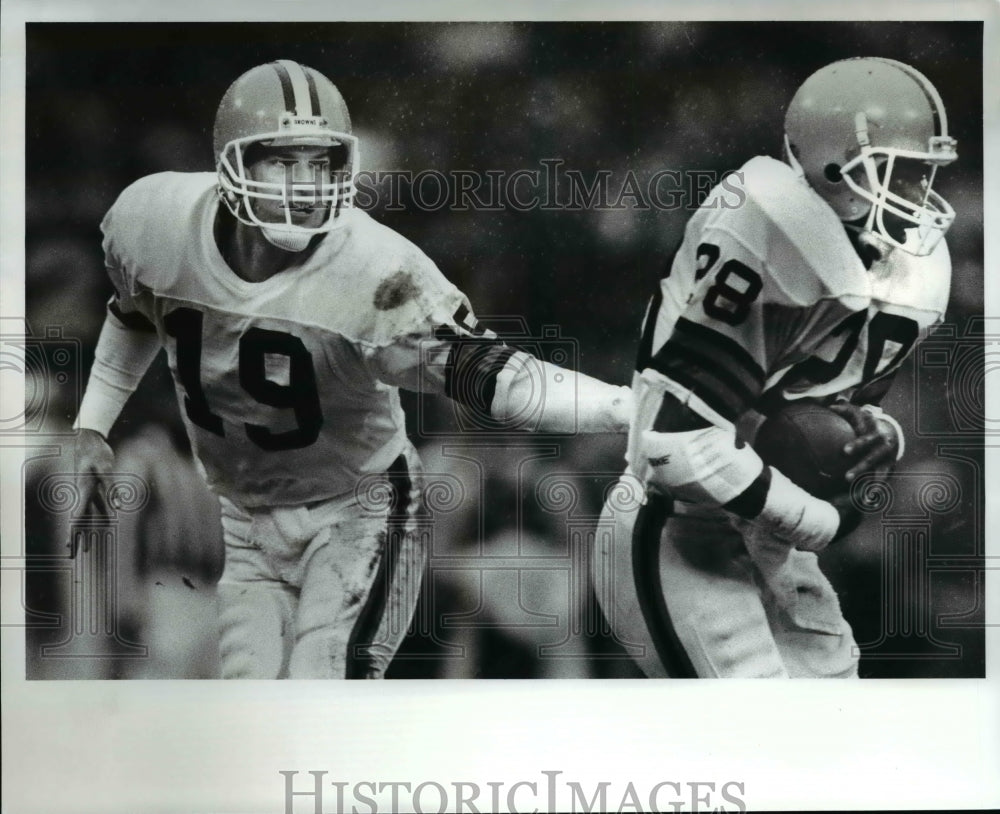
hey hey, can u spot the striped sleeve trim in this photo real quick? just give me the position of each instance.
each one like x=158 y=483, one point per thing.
x=472 y=368
x=131 y=319
x=645 y=352
x=712 y=365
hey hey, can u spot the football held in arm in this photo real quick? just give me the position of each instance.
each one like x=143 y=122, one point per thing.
x=797 y=309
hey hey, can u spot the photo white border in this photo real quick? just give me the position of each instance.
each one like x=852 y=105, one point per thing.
x=169 y=746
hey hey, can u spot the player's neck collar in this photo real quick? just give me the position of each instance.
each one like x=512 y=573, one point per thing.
x=248 y=254
x=868 y=252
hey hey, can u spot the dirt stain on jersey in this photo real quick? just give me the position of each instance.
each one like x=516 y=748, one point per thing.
x=395 y=291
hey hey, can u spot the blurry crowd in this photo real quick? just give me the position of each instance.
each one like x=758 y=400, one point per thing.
x=507 y=594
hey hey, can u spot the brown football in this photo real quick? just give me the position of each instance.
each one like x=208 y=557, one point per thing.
x=805 y=441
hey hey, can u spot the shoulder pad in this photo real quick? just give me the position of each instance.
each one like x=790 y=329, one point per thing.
x=797 y=238
x=922 y=283
x=158 y=199
x=387 y=284
x=154 y=220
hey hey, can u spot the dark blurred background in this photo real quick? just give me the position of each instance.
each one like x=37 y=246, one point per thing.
x=109 y=103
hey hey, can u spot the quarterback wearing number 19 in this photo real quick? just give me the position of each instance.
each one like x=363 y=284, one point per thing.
x=816 y=287
x=289 y=319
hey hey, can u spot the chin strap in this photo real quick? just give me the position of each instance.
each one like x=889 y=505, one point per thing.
x=288 y=241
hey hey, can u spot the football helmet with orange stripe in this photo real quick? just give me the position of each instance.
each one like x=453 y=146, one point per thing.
x=285 y=105
x=868 y=134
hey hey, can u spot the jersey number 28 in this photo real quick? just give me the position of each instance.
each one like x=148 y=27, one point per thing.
x=723 y=300
x=299 y=395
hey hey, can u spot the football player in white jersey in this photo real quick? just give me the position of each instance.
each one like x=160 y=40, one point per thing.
x=816 y=284
x=290 y=319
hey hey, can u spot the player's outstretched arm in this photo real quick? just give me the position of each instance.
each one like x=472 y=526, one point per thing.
x=492 y=379
x=125 y=349
x=565 y=400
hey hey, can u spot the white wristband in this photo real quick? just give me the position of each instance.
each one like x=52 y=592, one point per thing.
x=791 y=514
x=120 y=361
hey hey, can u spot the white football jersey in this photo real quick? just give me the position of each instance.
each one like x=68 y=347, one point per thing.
x=767 y=300
x=287 y=386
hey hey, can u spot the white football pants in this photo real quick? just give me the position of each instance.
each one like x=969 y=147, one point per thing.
x=325 y=590
x=691 y=596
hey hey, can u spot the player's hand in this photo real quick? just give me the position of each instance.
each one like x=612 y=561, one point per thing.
x=93 y=462
x=876 y=447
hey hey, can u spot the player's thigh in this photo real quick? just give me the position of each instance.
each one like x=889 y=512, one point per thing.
x=715 y=622
x=338 y=577
x=361 y=584
x=614 y=583
x=256 y=616
x=704 y=607
x=815 y=640
x=392 y=601
x=679 y=595
x=385 y=619
x=818 y=654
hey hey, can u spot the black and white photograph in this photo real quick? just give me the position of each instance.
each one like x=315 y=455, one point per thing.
x=625 y=347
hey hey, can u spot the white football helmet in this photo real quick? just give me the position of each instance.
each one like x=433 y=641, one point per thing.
x=282 y=104
x=868 y=134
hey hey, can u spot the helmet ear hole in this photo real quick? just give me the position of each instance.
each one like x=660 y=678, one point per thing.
x=832 y=173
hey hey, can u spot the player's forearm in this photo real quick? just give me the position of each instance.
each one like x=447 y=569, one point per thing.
x=122 y=357
x=697 y=460
x=554 y=399
x=706 y=466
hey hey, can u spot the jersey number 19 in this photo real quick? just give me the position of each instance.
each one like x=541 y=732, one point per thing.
x=299 y=395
